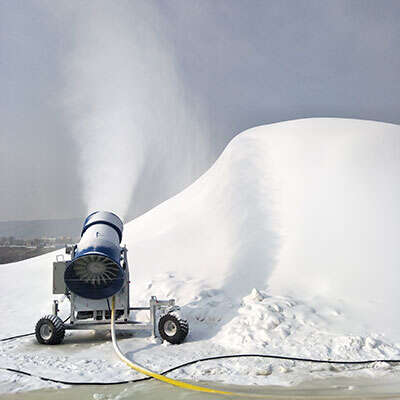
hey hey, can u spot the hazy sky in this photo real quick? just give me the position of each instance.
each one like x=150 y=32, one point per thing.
x=188 y=76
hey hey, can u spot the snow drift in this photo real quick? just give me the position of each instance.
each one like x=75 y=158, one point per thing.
x=287 y=245
x=308 y=207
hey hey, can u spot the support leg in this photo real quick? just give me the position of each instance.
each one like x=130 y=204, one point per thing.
x=153 y=314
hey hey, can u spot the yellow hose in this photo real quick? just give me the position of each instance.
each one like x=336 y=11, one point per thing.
x=163 y=378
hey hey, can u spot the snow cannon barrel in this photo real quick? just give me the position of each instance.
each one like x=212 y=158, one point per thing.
x=95 y=270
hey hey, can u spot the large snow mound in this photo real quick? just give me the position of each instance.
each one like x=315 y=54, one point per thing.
x=286 y=245
x=306 y=207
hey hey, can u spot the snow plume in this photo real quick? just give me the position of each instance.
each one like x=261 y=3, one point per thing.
x=122 y=93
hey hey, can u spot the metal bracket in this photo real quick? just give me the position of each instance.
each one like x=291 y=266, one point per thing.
x=156 y=305
x=55 y=307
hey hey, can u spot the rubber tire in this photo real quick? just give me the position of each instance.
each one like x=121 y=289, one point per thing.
x=57 y=326
x=181 y=332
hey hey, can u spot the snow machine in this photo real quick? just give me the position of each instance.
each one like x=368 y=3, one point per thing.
x=97 y=271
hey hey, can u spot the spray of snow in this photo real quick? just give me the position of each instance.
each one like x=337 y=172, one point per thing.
x=122 y=91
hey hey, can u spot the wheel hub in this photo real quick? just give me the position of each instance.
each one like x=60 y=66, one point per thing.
x=46 y=331
x=170 y=328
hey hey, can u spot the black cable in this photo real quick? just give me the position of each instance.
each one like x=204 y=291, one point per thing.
x=277 y=358
x=202 y=360
x=16 y=337
x=271 y=356
x=108 y=303
x=43 y=378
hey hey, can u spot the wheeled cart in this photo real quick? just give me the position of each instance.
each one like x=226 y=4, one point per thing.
x=97 y=272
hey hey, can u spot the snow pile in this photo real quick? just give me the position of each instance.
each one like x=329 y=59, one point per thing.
x=287 y=245
x=307 y=207
x=309 y=329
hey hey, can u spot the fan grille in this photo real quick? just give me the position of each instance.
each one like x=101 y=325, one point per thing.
x=96 y=269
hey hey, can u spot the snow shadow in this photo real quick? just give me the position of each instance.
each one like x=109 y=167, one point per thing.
x=252 y=221
x=255 y=237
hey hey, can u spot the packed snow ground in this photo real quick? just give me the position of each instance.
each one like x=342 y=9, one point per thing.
x=288 y=245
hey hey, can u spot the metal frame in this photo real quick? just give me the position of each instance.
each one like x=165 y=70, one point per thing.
x=155 y=306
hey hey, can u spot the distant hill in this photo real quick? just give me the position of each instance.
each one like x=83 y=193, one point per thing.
x=39 y=228
x=13 y=254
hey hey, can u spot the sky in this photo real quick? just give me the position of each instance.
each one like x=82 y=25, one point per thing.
x=123 y=104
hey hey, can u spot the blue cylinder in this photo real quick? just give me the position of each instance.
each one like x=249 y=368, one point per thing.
x=95 y=270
